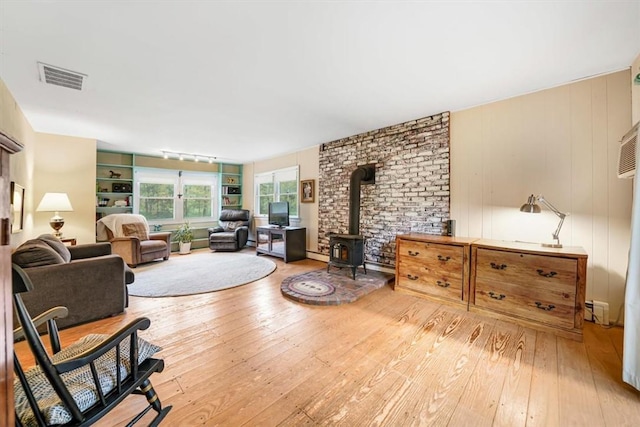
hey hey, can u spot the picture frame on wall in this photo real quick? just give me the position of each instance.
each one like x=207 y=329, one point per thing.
x=307 y=191
x=17 y=207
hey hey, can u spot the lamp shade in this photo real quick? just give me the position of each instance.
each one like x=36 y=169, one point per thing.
x=55 y=202
x=530 y=206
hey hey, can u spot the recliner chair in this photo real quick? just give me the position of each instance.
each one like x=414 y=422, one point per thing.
x=232 y=233
x=130 y=238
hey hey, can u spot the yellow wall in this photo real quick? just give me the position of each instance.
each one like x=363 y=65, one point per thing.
x=13 y=122
x=562 y=143
x=308 y=162
x=65 y=164
x=50 y=163
x=635 y=90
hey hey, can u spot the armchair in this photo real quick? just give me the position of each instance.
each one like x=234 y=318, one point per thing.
x=81 y=383
x=129 y=236
x=232 y=233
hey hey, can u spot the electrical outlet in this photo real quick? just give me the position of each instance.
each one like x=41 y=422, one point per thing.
x=588 y=311
x=601 y=312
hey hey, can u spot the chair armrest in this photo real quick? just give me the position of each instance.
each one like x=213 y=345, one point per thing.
x=51 y=314
x=165 y=236
x=90 y=250
x=217 y=229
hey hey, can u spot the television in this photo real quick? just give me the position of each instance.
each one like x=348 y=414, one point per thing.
x=279 y=214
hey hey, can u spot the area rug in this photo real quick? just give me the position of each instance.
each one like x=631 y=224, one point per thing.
x=335 y=287
x=197 y=273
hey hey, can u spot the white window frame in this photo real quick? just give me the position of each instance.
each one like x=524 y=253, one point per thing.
x=178 y=179
x=275 y=177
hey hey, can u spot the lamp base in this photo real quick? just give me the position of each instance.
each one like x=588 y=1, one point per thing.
x=56 y=223
x=551 y=245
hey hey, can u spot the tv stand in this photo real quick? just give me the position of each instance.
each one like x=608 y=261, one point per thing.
x=288 y=243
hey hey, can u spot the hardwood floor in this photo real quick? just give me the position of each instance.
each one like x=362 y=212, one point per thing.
x=248 y=356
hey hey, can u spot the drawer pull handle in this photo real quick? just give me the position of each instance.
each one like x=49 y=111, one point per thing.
x=442 y=258
x=443 y=284
x=549 y=274
x=411 y=253
x=498 y=266
x=547 y=308
x=411 y=277
x=496 y=296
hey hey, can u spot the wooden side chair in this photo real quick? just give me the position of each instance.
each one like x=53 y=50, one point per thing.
x=81 y=383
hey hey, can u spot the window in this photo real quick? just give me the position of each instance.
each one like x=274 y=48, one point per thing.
x=277 y=186
x=175 y=196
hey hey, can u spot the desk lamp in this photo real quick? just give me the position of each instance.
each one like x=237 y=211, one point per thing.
x=532 y=207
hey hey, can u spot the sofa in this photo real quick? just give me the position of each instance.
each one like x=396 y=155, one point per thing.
x=87 y=279
x=130 y=238
x=232 y=232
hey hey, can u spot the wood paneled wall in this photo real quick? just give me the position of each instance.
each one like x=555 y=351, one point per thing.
x=562 y=143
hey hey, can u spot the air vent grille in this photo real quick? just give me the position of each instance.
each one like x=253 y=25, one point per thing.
x=627 y=154
x=61 y=77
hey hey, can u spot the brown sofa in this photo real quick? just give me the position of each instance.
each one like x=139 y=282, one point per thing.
x=87 y=279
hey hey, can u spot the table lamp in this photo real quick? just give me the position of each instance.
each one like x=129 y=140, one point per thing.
x=55 y=202
x=532 y=207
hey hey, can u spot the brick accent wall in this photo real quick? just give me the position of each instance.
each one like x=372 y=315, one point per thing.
x=411 y=192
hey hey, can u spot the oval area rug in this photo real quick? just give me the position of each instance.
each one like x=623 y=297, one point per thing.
x=197 y=273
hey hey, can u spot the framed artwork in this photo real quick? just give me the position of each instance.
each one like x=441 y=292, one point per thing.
x=17 y=207
x=307 y=191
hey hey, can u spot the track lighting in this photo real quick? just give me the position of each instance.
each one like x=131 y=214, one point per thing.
x=181 y=156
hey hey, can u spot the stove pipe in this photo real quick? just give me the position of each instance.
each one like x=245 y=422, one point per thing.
x=362 y=175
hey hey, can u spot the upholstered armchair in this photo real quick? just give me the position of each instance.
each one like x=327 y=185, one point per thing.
x=233 y=230
x=130 y=238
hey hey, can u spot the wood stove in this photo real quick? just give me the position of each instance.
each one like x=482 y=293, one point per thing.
x=346 y=250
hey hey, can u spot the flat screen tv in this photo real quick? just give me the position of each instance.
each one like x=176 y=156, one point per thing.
x=279 y=214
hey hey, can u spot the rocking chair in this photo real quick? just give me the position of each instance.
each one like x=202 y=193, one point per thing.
x=80 y=384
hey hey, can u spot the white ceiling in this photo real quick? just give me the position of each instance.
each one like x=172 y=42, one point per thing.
x=250 y=80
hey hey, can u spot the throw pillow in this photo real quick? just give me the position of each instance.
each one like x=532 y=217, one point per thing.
x=35 y=253
x=56 y=245
x=136 y=230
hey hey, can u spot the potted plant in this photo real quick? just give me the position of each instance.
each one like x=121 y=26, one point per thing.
x=184 y=236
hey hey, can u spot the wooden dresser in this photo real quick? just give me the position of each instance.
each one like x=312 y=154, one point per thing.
x=436 y=267
x=538 y=287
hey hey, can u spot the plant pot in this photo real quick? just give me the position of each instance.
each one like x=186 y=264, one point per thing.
x=185 y=248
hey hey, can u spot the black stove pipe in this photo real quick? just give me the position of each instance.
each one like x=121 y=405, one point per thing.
x=362 y=175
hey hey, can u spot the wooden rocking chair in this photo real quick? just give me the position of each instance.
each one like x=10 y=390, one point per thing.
x=78 y=385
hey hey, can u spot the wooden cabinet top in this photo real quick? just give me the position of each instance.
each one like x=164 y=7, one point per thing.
x=533 y=248
x=433 y=238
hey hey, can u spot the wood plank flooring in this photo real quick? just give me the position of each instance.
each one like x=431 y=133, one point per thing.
x=248 y=356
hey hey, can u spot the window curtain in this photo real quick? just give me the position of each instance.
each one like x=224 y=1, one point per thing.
x=631 y=355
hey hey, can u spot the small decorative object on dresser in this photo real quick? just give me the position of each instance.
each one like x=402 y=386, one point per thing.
x=434 y=267
x=538 y=287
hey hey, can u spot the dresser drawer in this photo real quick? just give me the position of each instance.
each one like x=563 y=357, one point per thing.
x=433 y=257
x=419 y=278
x=532 y=271
x=548 y=306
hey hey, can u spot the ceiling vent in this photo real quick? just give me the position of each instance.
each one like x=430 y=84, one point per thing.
x=627 y=154
x=61 y=77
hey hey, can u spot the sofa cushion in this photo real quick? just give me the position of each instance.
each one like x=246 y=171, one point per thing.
x=225 y=236
x=148 y=246
x=231 y=225
x=34 y=253
x=136 y=229
x=56 y=245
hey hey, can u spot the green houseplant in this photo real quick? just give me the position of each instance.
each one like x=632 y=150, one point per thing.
x=184 y=236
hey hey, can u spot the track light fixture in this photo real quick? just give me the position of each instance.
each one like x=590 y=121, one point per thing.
x=182 y=156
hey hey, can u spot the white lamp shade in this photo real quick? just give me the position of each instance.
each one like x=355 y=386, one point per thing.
x=55 y=202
